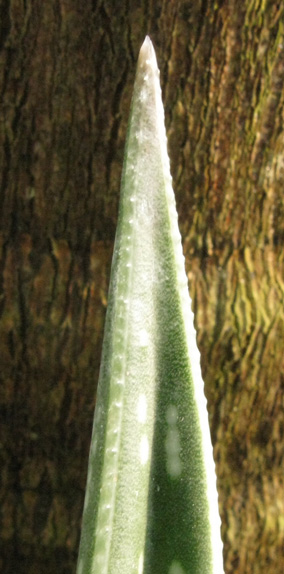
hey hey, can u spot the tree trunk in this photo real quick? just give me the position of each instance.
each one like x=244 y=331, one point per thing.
x=66 y=75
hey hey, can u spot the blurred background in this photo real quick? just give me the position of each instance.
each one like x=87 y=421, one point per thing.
x=66 y=75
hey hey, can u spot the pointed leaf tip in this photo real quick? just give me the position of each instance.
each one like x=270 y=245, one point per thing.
x=147 y=44
x=147 y=53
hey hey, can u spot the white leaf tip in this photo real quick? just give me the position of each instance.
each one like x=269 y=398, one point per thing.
x=147 y=53
x=147 y=46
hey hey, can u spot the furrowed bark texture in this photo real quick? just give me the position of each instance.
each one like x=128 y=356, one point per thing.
x=66 y=77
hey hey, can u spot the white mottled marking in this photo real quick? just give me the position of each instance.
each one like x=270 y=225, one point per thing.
x=172 y=443
x=144 y=449
x=141 y=563
x=176 y=568
x=143 y=95
x=142 y=409
x=143 y=338
x=171 y=415
x=120 y=382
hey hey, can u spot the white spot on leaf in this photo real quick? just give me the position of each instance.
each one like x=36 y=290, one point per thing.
x=171 y=415
x=144 y=449
x=176 y=568
x=120 y=382
x=142 y=409
x=143 y=338
x=172 y=443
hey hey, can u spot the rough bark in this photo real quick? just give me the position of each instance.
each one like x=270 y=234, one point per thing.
x=66 y=75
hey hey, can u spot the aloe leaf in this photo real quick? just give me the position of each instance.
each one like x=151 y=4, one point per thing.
x=151 y=501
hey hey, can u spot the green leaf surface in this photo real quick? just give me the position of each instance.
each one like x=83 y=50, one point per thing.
x=151 y=501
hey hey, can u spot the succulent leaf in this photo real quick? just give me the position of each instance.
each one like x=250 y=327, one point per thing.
x=151 y=501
